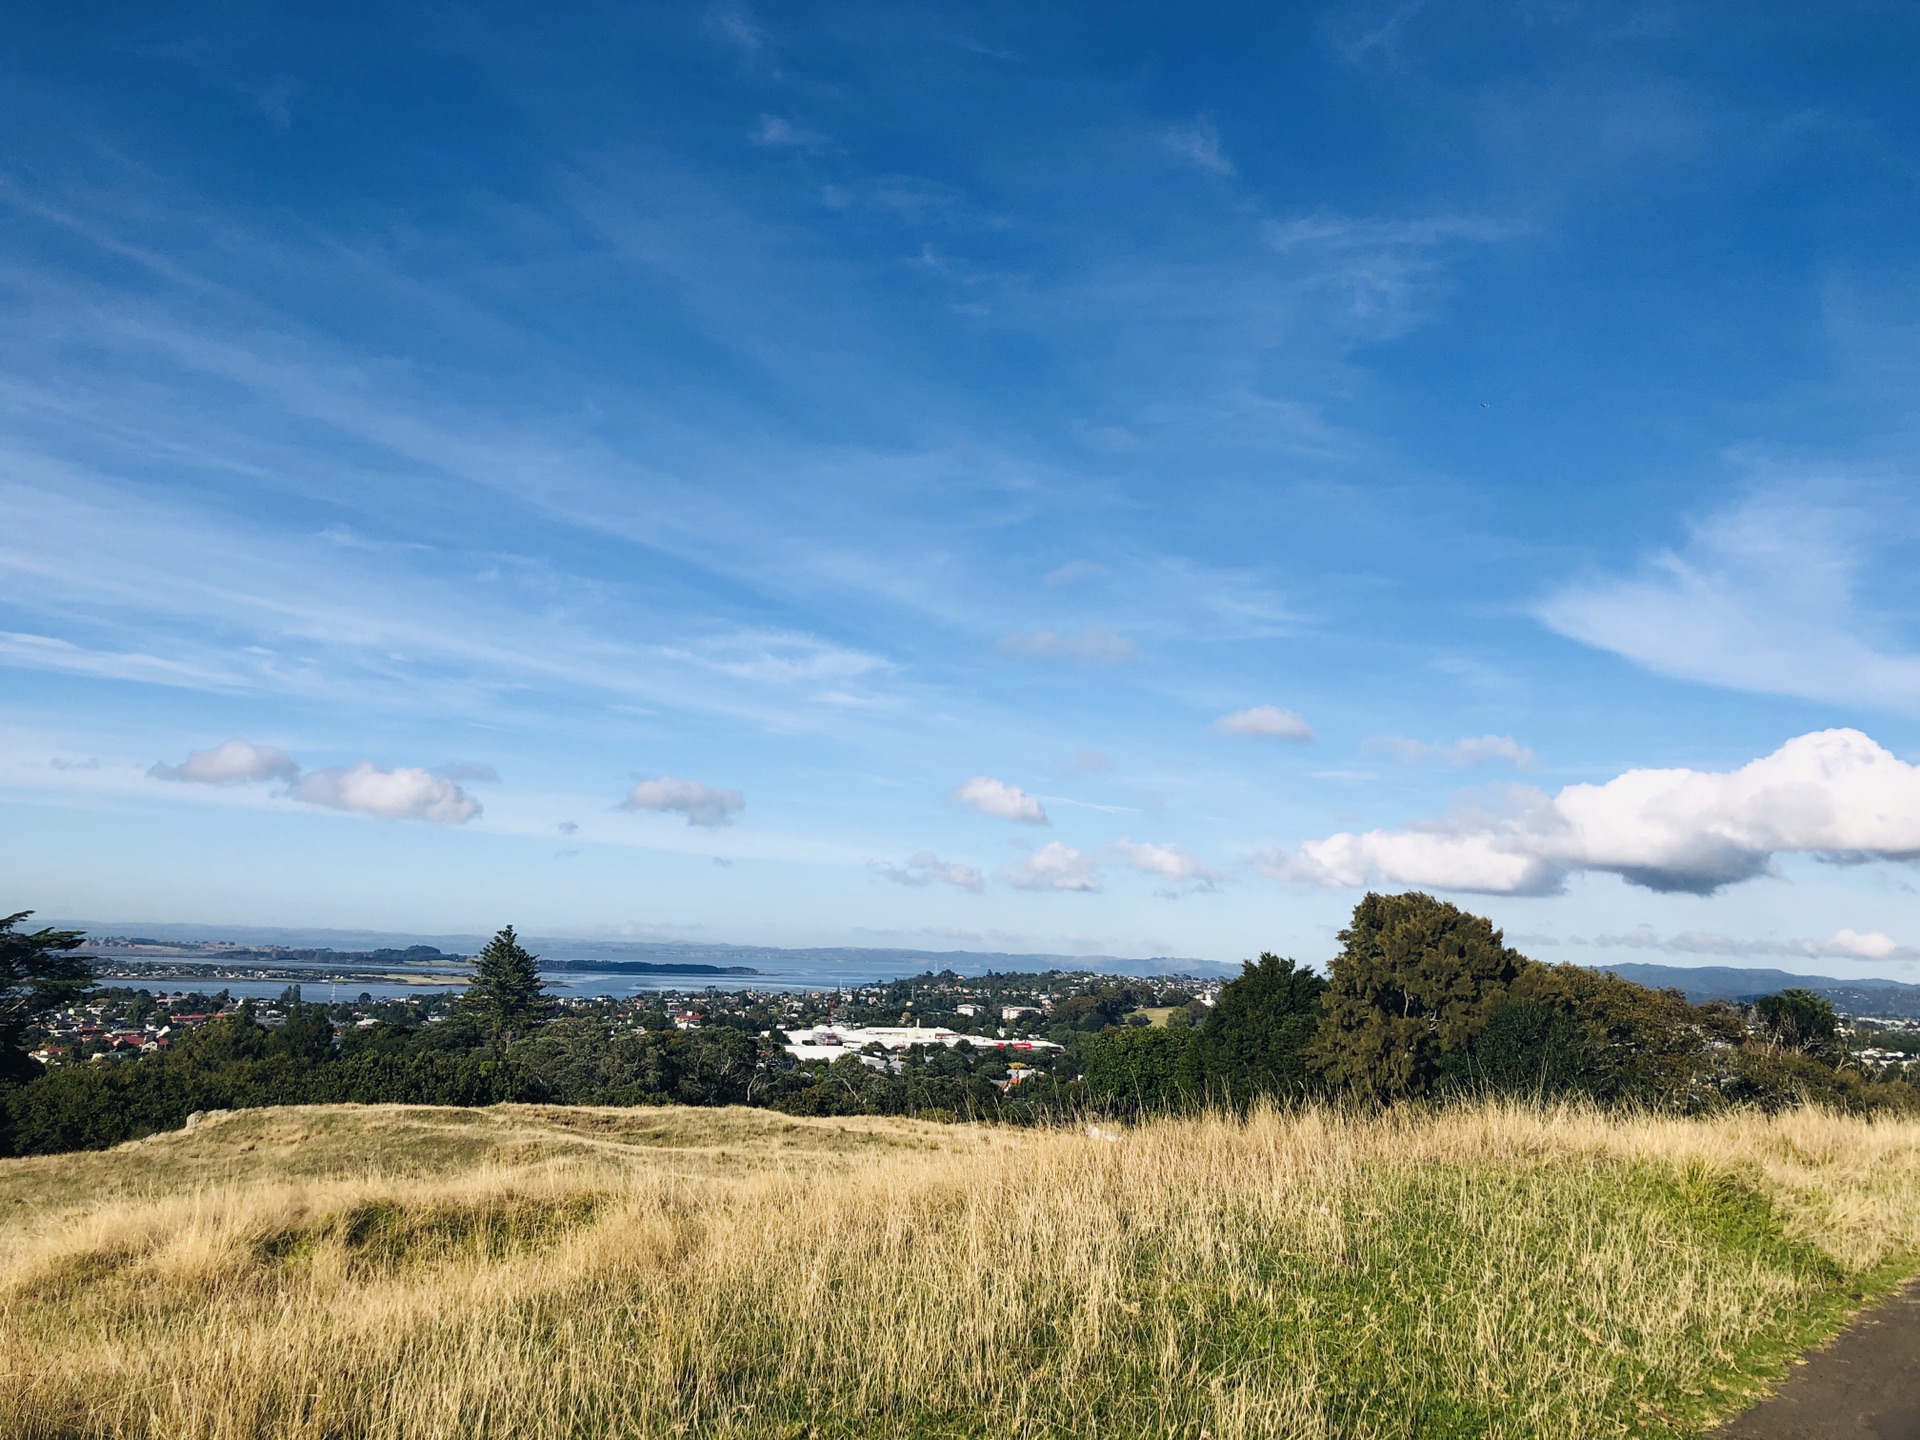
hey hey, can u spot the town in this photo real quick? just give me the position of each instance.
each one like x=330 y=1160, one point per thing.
x=1031 y=1021
x=1032 y=1016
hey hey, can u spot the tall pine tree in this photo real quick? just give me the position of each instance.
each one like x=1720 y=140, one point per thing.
x=506 y=997
x=38 y=973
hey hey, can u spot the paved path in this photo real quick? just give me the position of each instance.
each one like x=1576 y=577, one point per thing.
x=1864 y=1386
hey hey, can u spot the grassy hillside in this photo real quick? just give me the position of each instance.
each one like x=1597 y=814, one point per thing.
x=533 y=1272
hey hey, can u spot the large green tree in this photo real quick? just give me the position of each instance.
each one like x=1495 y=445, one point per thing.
x=506 y=999
x=1413 y=984
x=39 y=972
x=1255 y=1039
x=1563 y=1029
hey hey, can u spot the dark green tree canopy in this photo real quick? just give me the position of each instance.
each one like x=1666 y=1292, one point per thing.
x=506 y=997
x=38 y=973
x=1413 y=984
x=306 y=1034
x=1561 y=1029
x=1142 y=1071
x=1256 y=1037
x=1797 y=1020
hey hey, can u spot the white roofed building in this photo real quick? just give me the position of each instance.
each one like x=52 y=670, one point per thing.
x=830 y=1042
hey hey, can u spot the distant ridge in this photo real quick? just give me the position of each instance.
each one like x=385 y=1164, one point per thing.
x=1728 y=982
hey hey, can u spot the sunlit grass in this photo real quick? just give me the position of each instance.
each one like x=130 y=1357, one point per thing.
x=1488 y=1271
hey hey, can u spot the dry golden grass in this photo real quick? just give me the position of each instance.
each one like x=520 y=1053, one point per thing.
x=533 y=1273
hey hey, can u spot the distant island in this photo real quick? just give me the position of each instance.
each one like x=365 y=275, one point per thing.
x=642 y=967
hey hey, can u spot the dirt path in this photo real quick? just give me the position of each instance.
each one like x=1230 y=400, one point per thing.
x=1864 y=1386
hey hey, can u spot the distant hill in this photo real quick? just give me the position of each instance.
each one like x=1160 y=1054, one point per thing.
x=1728 y=982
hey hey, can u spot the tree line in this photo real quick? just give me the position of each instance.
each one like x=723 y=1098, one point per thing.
x=1424 y=1002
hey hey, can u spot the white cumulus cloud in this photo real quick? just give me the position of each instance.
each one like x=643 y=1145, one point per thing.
x=1000 y=800
x=1266 y=722
x=926 y=867
x=1168 y=862
x=1833 y=794
x=1871 y=946
x=701 y=804
x=1095 y=645
x=1053 y=867
x=405 y=793
x=230 y=762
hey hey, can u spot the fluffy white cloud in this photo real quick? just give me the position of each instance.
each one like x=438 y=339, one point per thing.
x=367 y=789
x=1834 y=794
x=1168 y=862
x=231 y=762
x=1095 y=645
x=701 y=804
x=1266 y=722
x=405 y=793
x=1000 y=800
x=1434 y=859
x=1053 y=867
x=1461 y=754
x=927 y=867
x=1872 y=946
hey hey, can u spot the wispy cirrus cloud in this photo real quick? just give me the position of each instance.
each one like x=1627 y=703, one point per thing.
x=734 y=24
x=1095 y=645
x=779 y=133
x=1197 y=142
x=1073 y=572
x=1460 y=754
x=927 y=868
x=1762 y=597
x=469 y=771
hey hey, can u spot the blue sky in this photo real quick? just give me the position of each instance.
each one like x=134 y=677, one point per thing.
x=1106 y=478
